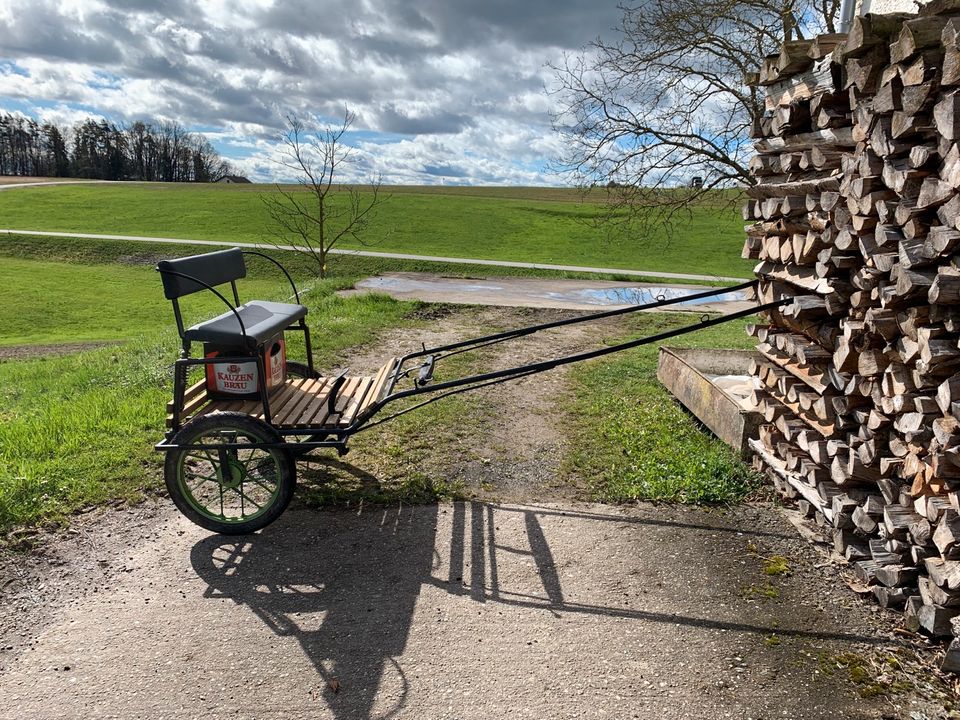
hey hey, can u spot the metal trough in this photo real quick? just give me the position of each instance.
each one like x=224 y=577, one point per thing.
x=714 y=384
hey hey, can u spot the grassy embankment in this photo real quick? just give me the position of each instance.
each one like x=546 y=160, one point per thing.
x=77 y=430
x=518 y=224
x=639 y=443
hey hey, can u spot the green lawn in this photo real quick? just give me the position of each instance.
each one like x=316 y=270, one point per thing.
x=523 y=224
x=79 y=429
x=639 y=443
x=51 y=302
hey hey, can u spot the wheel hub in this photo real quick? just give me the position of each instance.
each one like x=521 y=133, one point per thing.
x=232 y=474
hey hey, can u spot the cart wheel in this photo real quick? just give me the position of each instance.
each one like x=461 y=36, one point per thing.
x=227 y=489
x=301 y=370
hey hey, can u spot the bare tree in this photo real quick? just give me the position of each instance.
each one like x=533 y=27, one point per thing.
x=321 y=213
x=665 y=102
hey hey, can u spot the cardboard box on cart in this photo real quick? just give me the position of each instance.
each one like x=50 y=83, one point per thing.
x=240 y=380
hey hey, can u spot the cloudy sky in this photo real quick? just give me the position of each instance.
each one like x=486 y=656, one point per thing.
x=445 y=91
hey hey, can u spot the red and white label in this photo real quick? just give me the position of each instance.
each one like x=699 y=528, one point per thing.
x=236 y=378
x=242 y=378
x=276 y=360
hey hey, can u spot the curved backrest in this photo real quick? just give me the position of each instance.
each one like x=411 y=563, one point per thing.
x=214 y=269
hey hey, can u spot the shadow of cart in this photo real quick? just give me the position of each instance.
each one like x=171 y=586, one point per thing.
x=346 y=585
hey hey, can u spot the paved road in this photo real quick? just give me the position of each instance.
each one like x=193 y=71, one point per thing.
x=532 y=292
x=44 y=183
x=466 y=611
x=388 y=255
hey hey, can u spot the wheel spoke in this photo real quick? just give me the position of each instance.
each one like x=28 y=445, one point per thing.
x=263 y=468
x=203 y=480
x=253 y=456
x=269 y=490
x=239 y=491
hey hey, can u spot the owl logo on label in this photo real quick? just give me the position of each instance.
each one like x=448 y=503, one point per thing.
x=233 y=369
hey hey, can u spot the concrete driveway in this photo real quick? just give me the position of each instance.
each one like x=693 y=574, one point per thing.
x=465 y=610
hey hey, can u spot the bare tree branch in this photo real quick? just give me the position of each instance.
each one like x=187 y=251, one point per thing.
x=322 y=212
x=665 y=102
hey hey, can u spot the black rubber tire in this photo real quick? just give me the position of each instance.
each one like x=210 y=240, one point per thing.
x=300 y=370
x=275 y=473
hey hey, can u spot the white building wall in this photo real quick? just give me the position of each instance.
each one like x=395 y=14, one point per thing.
x=883 y=7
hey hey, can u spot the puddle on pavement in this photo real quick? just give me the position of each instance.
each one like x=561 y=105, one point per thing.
x=638 y=295
x=644 y=295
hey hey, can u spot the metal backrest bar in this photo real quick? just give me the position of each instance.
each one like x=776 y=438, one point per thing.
x=296 y=293
x=176 y=306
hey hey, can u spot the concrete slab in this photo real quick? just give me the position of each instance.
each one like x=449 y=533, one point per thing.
x=542 y=293
x=465 y=611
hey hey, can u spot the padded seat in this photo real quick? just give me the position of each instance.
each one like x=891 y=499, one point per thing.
x=262 y=320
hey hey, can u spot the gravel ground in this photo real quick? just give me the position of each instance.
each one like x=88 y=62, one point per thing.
x=465 y=610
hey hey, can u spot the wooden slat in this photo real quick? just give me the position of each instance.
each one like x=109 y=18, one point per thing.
x=303 y=402
x=193 y=407
x=290 y=394
x=360 y=394
x=322 y=412
x=194 y=398
x=196 y=389
x=291 y=411
x=345 y=391
x=212 y=407
x=380 y=382
x=252 y=407
x=356 y=401
x=317 y=404
x=220 y=406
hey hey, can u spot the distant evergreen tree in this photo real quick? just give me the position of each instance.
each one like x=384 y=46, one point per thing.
x=57 y=159
x=102 y=150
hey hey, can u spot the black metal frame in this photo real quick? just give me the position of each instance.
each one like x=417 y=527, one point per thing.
x=336 y=438
x=184 y=362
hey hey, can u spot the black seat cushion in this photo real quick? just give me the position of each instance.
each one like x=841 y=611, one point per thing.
x=261 y=319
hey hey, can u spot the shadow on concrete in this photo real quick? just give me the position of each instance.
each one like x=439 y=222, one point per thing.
x=345 y=585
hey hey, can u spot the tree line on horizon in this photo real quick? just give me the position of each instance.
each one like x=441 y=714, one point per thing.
x=102 y=150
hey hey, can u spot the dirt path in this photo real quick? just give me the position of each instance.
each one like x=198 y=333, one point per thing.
x=516 y=608
x=515 y=454
x=30 y=352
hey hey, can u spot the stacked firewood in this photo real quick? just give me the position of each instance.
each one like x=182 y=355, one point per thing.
x=855 y=217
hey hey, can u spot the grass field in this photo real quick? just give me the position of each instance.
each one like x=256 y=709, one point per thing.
x=78 y=429
x=54 y=302
x=639 y=443
x=518 y=224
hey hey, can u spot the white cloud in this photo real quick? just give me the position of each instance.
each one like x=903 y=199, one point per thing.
x=64 y=115
x=460 y=82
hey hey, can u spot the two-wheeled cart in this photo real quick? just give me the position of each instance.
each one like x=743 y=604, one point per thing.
x=231 y=461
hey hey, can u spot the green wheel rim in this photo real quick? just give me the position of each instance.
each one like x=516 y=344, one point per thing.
x=230 y=485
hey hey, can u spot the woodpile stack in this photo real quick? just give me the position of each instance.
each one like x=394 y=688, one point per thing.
x=856 y=217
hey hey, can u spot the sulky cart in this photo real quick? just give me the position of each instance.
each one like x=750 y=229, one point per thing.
x=233 y=437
